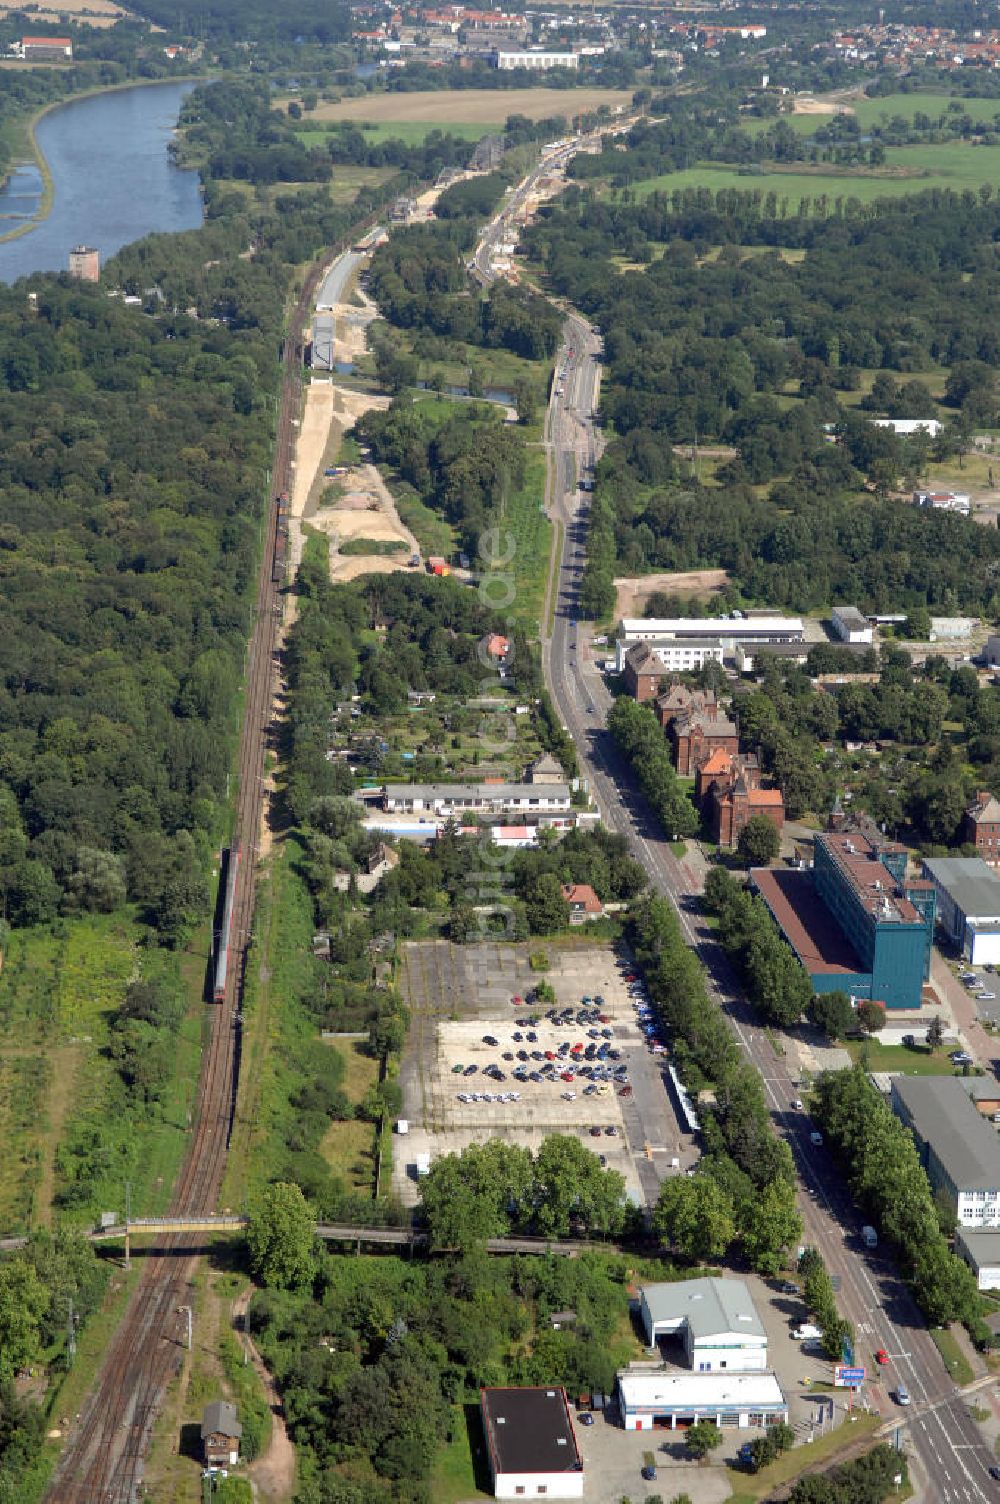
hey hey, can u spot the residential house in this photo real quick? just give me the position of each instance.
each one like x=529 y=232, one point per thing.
x=643 y=672
x=545 y=769
x=584 y=903
x=982 y=827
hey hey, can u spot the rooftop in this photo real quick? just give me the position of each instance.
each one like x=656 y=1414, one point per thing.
x=870 y=880
x=806 y=922
x=492 y=793
x=851 y=617
x=707 y=1306
x=946 y=1117
x=220 y=1418
x=983 y=1245
x=973 y=886
x=724 y=626
x=529 y=1431
x=714 y=1391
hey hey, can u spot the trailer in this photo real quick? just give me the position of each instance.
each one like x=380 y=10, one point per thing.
x=224 y=934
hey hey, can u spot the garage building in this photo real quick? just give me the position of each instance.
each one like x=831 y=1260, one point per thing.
x=715 y=1319
x=531 y=1444
x=968 y=905
x=668 y=1399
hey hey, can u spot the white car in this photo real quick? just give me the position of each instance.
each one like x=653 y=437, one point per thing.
x=797 y=1103
x=986 y=997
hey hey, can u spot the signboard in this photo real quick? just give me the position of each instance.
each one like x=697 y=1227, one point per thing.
x=848 y=1378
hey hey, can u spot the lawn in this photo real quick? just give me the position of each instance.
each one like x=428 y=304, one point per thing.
x=955 y=1360
x=532 y=533
x=909 y=169
x=486 y=107
x=347 y=1148
x=899 y=1059
x=454 y=1476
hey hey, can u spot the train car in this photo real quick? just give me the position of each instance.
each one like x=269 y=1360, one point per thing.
x=280 y=539
x=224 y=936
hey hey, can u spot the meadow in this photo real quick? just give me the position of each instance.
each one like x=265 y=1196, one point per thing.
x=485 y=108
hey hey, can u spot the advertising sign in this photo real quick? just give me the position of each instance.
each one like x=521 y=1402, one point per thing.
x=848 y=1378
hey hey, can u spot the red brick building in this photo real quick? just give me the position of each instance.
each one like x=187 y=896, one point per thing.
x=584 y=903
x=677 y=699
x=727 y=786
x=643 y=672
x=981 y=827
x=697 y=734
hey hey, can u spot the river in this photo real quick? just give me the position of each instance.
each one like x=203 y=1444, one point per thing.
x=114 y=181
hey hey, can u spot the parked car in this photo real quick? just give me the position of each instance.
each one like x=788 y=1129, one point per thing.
x=649 y=1473
x=816 y=1138
x=586 y=1419
x=986 y=997
x=960 y=1057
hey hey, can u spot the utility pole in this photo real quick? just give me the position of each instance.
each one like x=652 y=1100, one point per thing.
x=70 y=1334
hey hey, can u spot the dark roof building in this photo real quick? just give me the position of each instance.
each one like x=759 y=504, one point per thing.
x=531 y=1443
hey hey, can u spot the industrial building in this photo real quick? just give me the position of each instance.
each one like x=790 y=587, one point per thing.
x=906 y=427
x=959 y=1146
x=856 y=921
x=762 y=628
x=850 y=626
x=667 y=1399
x=46 y=49
x=531 y=1444
x=968 y=905
x=535 y=59
x=715 y=1320
x=981 y=1251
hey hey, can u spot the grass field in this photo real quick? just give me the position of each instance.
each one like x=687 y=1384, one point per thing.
x=411 y=132
x=870 y=111
x=896 y=1057
x=955 y=1360
x=532 y=533
x=954 y=165
x=477 y=107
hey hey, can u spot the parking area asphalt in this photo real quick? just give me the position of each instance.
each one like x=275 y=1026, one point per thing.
x=461 y=996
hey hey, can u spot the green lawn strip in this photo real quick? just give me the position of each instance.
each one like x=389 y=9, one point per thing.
x=898 y=1058
x=955 y=1360
x=454 y=1476
x=532 y=533
x=792 y=1464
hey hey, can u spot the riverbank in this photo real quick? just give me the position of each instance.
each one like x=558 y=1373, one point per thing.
x=29 y=127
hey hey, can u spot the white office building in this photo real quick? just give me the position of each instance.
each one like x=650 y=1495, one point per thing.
x=669 y=1398
x=729 y=631
x=981 y=1251
x=959 y=1147
x=469 y=798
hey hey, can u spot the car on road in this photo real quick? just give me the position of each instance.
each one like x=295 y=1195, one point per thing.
x=797 y=1103
x=902 y=1395
x=986 y=997
x=649 y=1473
x=816 y=1138
x=586 y=1419
x=881 y=1357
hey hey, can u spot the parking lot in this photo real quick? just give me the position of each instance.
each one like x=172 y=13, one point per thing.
x=460 y=997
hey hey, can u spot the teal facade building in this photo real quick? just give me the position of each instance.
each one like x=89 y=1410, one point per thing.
x=856 y=921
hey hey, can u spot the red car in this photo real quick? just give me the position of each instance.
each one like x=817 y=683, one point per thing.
x=550 y=1054
x=881 y=1357
x=517 y=1000
x=630 y=976
x=568 y=1076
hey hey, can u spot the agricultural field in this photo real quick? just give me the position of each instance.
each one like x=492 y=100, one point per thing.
x=410 y=132
x=909 y=169
x=871 y=111
x=448 y=108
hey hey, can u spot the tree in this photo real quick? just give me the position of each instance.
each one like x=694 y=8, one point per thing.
x=571 y=1188
x=870 y=1015
x=770 y=1225
x=832 y=1012
x=24 y=1301
x=470 y=1197
x=759 y=842
x=935 y=1032
x=703 y=1437
x=546 y=908
x=99 y=881
x=281 y=1232
x=695 y=1217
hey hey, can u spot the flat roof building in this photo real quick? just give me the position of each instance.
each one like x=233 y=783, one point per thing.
x=469 y=797
x=649 y=1401
x=715 y=1319
x=981 y=1251
x=856 y=922
x=531 y=1443
x=850 y=626
x=729 y=631
x=959 y=1147
x=968 y=905
x=534 y=59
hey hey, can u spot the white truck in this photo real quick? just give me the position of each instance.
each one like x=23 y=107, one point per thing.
x=869 y=1236
x=423 y=1165
x=807 y=1332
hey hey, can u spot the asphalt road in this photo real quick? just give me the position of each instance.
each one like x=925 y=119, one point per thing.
x=951 y=1456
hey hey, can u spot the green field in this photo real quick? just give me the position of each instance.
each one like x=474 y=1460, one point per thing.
x=898 y=1058
x=870 y=111
x=955 y=165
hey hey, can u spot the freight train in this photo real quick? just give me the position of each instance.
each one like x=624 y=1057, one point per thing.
x=224 y=935
x=280 y=539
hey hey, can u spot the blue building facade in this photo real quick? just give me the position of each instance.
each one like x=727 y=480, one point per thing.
x=857 y=922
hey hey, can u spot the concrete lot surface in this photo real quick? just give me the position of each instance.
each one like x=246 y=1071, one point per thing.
x=456 y=994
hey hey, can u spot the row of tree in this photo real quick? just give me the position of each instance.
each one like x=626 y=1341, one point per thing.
x=775 y=979
x=890 y=1185
x=640 y=739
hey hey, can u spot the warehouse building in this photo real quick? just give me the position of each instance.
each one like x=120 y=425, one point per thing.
x=535 y=59
x=667 y=1399
x=856 y=921
x=981 y=1251
x=968 y=905
x=462 y=798
x=714 y=1319
x=850 y=626
x=531 y=1444
x=949 y=1117
x=762 y=628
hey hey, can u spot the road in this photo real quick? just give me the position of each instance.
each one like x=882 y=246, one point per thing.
x=331 y=290
x=951 y=1456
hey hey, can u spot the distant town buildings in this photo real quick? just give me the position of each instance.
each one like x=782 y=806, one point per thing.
x=584 y=903
x=968 y=905
x=944 y=501
x=762 y=628
x=85 y=263
x=906 y=427
x=850 y=626
x=466 y=798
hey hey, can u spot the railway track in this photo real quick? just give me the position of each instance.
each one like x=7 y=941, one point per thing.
x=103 y=1459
